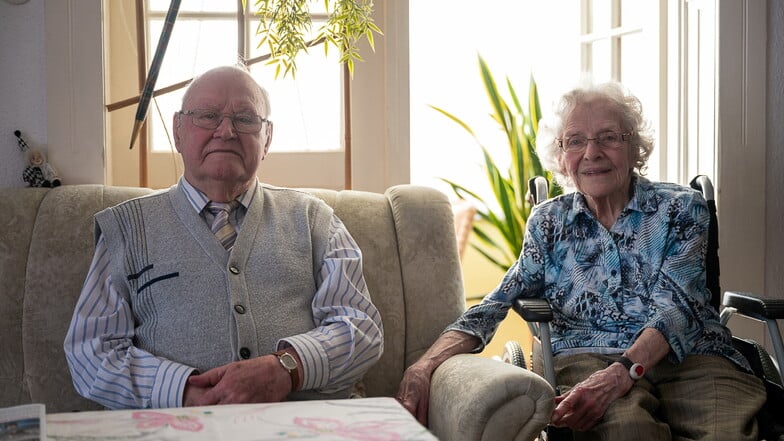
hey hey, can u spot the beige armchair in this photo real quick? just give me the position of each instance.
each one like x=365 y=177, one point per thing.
x=412 y=270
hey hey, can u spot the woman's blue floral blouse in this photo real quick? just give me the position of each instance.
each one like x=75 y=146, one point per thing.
x=605 y=287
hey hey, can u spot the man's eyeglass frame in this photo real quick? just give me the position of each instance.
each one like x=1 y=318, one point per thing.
x=231 y=116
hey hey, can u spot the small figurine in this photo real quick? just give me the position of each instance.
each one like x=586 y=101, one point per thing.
x=20 y=141
x=40 y=173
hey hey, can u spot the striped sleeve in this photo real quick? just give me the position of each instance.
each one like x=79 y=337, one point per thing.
x=105 y=366
x=348 y=338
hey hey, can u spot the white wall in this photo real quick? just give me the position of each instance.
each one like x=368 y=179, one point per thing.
x=52 y=88
x=774 y=253
x=22 y=86
x=74 y=88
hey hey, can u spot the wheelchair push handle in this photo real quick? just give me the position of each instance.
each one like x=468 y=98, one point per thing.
x=538 y=190
x=704 y=185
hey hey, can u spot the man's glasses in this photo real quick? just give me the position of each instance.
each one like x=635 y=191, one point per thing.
x=578 y=143
x=210 y=119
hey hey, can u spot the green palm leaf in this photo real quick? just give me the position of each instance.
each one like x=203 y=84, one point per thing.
x=498 y=234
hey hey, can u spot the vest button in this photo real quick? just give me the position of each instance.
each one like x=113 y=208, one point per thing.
x=234 y=270
x=239 y=308
x=245 y=353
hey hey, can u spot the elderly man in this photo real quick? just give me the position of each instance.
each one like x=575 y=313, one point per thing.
x=222 y=289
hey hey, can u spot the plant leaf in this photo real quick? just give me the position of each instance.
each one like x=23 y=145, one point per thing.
x=500 y=229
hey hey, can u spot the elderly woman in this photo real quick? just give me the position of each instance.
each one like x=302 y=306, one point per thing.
x=639 y=353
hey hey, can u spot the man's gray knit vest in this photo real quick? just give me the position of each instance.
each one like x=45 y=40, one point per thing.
x=195 y=303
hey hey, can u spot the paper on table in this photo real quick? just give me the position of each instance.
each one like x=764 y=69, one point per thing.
x=366 y=419
x=23 y=423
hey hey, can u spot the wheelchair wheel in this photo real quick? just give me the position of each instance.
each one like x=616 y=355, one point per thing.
x=513 y=354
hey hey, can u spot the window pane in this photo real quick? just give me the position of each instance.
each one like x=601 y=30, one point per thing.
x=194 y=46
x=529 y=37
x=195 y=6
x=637 y=75
x=160 y=117
x=601 y=60
x=636 y=72
x=255 y=38
x=630 y=14
x=307 y=109
x=601 y=15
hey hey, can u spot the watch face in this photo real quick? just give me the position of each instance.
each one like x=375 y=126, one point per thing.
x=637 y=371
x=288 y=361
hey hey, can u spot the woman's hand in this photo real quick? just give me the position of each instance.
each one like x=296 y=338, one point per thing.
x=414 y=391
x=583 y=406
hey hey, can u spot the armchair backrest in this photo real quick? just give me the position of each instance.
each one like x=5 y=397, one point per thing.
x=412 y=269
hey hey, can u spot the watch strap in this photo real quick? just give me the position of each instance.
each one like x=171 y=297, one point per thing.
x=636 y=370
x=292 y=371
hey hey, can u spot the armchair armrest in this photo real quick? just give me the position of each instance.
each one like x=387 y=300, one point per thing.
x=476 y=398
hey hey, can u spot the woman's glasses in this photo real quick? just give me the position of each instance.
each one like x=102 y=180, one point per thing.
x=578 y=143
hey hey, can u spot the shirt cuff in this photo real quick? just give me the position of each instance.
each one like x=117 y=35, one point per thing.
x=315 y=361
x=169 y=386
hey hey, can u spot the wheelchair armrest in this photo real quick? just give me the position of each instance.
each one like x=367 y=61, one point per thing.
x=539 y=310
x=754 y=306
x=533 y=310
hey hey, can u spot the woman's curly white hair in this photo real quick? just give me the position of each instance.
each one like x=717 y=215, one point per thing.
x=629 y=110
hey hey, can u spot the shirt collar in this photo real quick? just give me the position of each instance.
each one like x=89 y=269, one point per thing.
x=644 y=198
x=199 y=200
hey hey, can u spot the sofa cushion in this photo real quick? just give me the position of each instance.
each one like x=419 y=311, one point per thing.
x=17 y=219
x=59 y=256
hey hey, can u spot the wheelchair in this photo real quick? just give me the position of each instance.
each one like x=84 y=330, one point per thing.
x=537 y=314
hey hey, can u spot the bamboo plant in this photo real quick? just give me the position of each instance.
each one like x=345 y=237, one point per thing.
x=284 y=24
x=500 y=231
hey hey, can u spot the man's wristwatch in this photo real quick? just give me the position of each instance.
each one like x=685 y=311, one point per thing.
x=636 y=370
x=290 y=364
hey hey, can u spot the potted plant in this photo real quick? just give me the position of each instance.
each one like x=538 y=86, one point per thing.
x=501 y=225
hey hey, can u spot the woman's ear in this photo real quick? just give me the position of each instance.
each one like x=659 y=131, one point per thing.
x=561 y=165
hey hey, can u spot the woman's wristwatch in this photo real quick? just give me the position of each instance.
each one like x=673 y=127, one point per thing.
x=636 y=370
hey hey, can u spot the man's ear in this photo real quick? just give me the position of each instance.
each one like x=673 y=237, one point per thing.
x=268 y=140
x=176 y=123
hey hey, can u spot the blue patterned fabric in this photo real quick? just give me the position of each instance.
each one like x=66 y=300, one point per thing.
x=605 y=287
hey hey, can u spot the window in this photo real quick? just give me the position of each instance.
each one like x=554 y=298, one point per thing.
x=555 y=44
x=306 y=109
x=637 y=43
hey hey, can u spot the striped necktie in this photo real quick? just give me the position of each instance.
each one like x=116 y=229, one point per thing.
x=221 y=227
